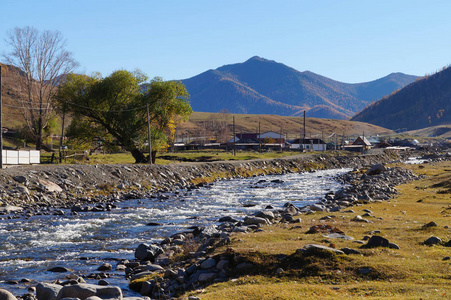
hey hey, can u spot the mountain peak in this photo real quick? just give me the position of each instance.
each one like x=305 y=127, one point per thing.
x=258 y=58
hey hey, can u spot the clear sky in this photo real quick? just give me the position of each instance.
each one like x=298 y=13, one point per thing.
x=349 y=41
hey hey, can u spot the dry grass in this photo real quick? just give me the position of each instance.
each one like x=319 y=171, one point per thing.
x=289 y=125
x=415 y=271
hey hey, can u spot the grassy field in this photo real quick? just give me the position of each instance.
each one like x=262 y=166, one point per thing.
x=172 y=157
x=415 y=271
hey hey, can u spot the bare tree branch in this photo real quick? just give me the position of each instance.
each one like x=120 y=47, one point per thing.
x=44 y=62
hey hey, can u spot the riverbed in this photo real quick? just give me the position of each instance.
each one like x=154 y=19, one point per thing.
x=84 y=241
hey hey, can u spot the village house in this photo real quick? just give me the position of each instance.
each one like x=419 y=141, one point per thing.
x=309 y=144
x=360 y=144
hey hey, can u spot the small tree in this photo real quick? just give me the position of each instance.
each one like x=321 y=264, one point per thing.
x=44 y=61
x=113 y=109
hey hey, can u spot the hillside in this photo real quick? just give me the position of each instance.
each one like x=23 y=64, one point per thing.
x=201 y=124
x=424 y=103
x=260 y=86
x=12 y=116
x=440 y=131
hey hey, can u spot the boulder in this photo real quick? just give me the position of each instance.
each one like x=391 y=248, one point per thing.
x=58 y=270
x=265 y=214
x=148 y=252
x=48 y=186
x=312 y=248
x=255 y=221
x=360 y=219
x=208 y=264
x=210 y=231
x=433 y=240
x=376 y=169
x=20 y=179
x=430 y=224
x=10 y=208
x=5 y=295
x=47 y=291
x=105 y=267
x=85 y=290
x=376 y=241
x=290 y=210
x=348 y=251
x=227 y=219
x=207 y=277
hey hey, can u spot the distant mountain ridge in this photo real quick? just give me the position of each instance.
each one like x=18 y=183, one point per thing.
x=261 y=86
x=423 y=103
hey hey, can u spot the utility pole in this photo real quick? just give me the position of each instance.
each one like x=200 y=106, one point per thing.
x=280 y=136
x=259 y=139
x=303 y=142
x=148 y=135
x=1 y=122
x=234 y=137
x=62 y=135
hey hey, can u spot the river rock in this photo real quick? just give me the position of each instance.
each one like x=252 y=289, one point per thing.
x=148 y=252
x=48 y=186
x=105 y=267
x=210 y=231
x=248 y=220
x=47 y=291
x=208 y=264
x=85 y=290
x=20 y=179
x=265 y=214
x=10 y=208
x=207 y=277
x=376 y=169
x=227 y=219
x=58 y=270
x=5 y=295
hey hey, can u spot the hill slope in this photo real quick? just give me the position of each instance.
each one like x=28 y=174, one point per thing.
x=424 y=103
x=260 y=86
x=202 y=124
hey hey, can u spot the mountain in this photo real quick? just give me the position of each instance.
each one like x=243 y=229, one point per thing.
x=423 y=103
x=261 y=86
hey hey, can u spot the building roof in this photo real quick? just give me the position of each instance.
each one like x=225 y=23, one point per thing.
x=361 y=140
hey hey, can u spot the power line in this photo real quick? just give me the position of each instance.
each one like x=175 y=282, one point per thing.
x=75 y=104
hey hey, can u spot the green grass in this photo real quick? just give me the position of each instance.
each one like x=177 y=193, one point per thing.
x=168 y=157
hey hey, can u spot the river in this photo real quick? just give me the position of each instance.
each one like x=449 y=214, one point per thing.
x=82 y=242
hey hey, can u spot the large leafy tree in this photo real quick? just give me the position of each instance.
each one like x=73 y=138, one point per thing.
x=114 y=108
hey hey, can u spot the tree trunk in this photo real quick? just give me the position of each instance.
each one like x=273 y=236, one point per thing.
x=138 y=156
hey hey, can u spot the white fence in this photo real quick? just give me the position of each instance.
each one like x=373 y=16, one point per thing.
x=21 y=157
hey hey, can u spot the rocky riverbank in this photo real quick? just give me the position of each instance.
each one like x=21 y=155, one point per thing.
x=48 y=188
x=183 y=261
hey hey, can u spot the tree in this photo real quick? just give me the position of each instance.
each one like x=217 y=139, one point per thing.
x=44 y=61
x=114 y=108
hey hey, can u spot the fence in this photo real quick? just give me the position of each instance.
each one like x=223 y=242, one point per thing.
x=21 y=157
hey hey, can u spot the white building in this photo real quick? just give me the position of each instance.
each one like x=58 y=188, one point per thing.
x=309 y=144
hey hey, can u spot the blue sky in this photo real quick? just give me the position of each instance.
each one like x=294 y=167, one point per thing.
x=348 y=41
